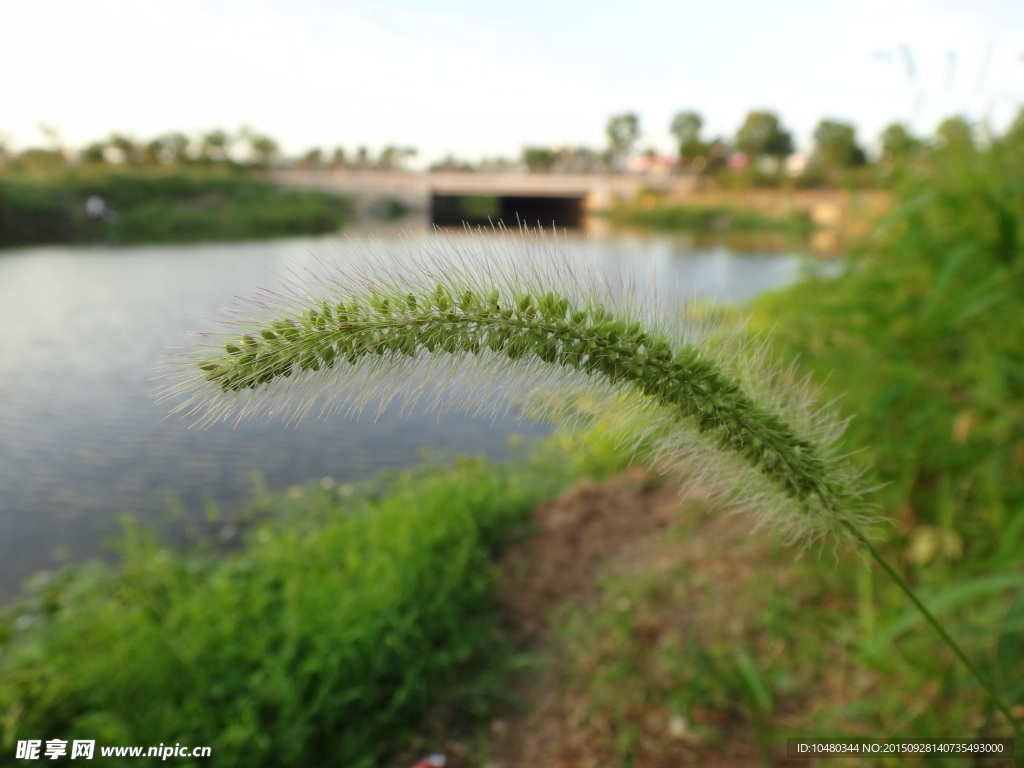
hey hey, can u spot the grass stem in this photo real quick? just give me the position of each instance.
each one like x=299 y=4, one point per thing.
x=946 y=638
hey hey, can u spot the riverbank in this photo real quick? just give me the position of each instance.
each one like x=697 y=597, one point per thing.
x=450 y=609
x=827 y=220
x=320 y=635
x=125 y=205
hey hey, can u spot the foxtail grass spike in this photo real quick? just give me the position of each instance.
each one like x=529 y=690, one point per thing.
x=466 y=323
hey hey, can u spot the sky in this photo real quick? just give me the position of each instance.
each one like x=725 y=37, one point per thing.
x=482 y=79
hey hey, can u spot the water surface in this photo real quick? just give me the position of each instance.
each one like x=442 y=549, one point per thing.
x=82 y=440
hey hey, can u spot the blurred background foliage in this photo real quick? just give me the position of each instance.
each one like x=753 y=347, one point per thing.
x=922 y=340
x=179 y=204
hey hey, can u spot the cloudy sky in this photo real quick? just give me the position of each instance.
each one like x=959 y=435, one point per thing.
x=483 y=79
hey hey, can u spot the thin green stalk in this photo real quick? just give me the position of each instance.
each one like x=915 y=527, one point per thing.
x=949 y=641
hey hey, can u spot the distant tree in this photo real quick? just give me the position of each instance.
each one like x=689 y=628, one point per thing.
x=497 y=164
x=716 y=157
x=835 y=146
x=583 y=160
x=215 y=146
x=96 y=152
x=262 y=149
x=392 y=157
x=539 y=159
x=898 y=144
x=150 y=152
x=362 y=158
x=955 y=133
x=386 y=159
x=622 y=131
x=312 y=160
x=338 y=159
x=451 y=163
x=37 y=159
x=761 y=136
x=125 y=148
x=685 y=128
x=173 y=148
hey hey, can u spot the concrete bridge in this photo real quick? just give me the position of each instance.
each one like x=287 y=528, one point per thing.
x=451 y=198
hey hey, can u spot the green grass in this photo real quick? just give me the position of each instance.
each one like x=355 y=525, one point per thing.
x=745 y=646
x=326 y=640
x=172 y=205
x=720 y=660
x=923 y=340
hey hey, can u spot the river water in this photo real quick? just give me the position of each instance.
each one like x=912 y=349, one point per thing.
x=82 y=440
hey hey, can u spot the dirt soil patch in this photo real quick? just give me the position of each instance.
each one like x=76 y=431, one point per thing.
x=616 y=528
x=636 y=523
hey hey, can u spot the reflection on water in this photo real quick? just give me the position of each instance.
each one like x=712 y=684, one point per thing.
x=598 y=228
x=81 y=440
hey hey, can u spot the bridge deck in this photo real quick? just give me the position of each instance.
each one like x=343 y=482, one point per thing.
x=595 y=190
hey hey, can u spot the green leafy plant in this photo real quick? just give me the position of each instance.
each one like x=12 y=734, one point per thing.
x=690 y=397
x=349 y=614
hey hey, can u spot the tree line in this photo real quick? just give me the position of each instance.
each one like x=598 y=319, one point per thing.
x=762 y=146
x=762 y=151
x=245 y=148
x=763 y=142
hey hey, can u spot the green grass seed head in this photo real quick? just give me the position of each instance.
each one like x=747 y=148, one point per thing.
x=680 y=396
